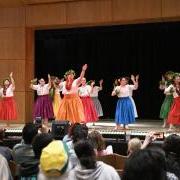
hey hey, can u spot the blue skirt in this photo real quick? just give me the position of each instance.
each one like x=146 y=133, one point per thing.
x=124 y=111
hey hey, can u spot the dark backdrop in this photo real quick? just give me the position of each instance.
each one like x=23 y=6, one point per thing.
x=146 y=49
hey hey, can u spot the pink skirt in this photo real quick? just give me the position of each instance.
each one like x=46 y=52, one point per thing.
x=174 y=114
x=8 y=109
x=89 y=110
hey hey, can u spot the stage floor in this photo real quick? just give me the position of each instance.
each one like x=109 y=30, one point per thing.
x=140 y=125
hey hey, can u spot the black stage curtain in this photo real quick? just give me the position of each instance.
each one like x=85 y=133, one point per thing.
x=146 y=49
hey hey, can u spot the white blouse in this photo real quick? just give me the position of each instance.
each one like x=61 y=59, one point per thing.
x=9 y=91
x=95 y=90
x=124 y=91
x=169 y=89
x=74 y=87
x=84 y=91
x=41 y=90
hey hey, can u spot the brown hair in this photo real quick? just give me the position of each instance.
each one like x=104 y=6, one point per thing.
x=97 y=140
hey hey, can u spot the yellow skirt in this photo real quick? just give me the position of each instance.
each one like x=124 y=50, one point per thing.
x=71 y=109
x=56 y=104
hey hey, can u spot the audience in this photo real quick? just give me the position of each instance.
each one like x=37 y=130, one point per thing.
x=4 y=150
x=99 y=144
x=147 y=164
x=171 y=147
x=134 y=144
x=5 y=173
x=88 y=168
x=40 y=142
x=80 y=132
x=24 y=155
x=54 y=162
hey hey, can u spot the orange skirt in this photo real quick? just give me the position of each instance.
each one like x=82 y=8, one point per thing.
x=71 y=109
x=8 y=109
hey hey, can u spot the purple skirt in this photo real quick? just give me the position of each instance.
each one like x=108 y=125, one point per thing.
x=43 y=107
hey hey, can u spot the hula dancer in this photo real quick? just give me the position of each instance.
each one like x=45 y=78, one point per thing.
x=8 y=110
x=71 y=107
x=94 y=97
x=89 y=109
x=43 y=105
x=166 y=105
x=124 y=110
x=174 y=114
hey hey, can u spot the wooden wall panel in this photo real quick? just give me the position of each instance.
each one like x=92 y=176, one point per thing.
x=29 y=102
x=12 y=17
x=18 y=69
x=128 y=10
x=20 y=100
x=95 y=11
x=48 y=14
x=12 y=43
x=170 y=8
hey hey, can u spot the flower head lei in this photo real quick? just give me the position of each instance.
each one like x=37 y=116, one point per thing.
x=69 y=72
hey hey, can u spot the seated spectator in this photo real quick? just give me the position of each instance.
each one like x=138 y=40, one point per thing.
x=54 y=162
x=147 y=164
x=24 y=155
x=171 y=147
x=99 y=144
x=88 y=168
x=134 y=144
x=68 y=137
x=40 y=142
x=80 y=132
x=5 y=173
x=4 y=150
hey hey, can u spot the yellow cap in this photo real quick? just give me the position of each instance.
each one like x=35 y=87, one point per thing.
x=54 y=158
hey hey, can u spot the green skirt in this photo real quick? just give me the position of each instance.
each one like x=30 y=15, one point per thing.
x=165 y=108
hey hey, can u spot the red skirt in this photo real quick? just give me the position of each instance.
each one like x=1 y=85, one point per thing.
x=89 y=110
x=174 y=114
x=8 y=109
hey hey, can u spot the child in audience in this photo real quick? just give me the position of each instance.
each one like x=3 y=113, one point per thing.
x=99 y=144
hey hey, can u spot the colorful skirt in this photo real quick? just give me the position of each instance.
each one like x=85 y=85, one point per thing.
x=71 y=109
x=134 y=107
x=56 y=103
x=43 y=107
x=89 y=109
x=124 y=111
x=174 y=114
x=97 y=106
x=8 y=109
x=166 y=106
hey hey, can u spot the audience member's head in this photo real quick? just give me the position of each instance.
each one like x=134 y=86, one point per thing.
x=171 y=145
x=54 y=159
x=145 y=164
x=86 y=154
x=29 y=132
x=134 y=145
x=40 y=142
x=97 y=140
x=80 y=132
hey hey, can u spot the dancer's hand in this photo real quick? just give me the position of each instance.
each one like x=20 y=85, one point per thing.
x=101 y=81
x=11 y=75
x=137 y=77
x=84 y=67
x=133 y=78
x=49 y=77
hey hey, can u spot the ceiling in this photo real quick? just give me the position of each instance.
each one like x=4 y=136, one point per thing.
x=16 y=3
